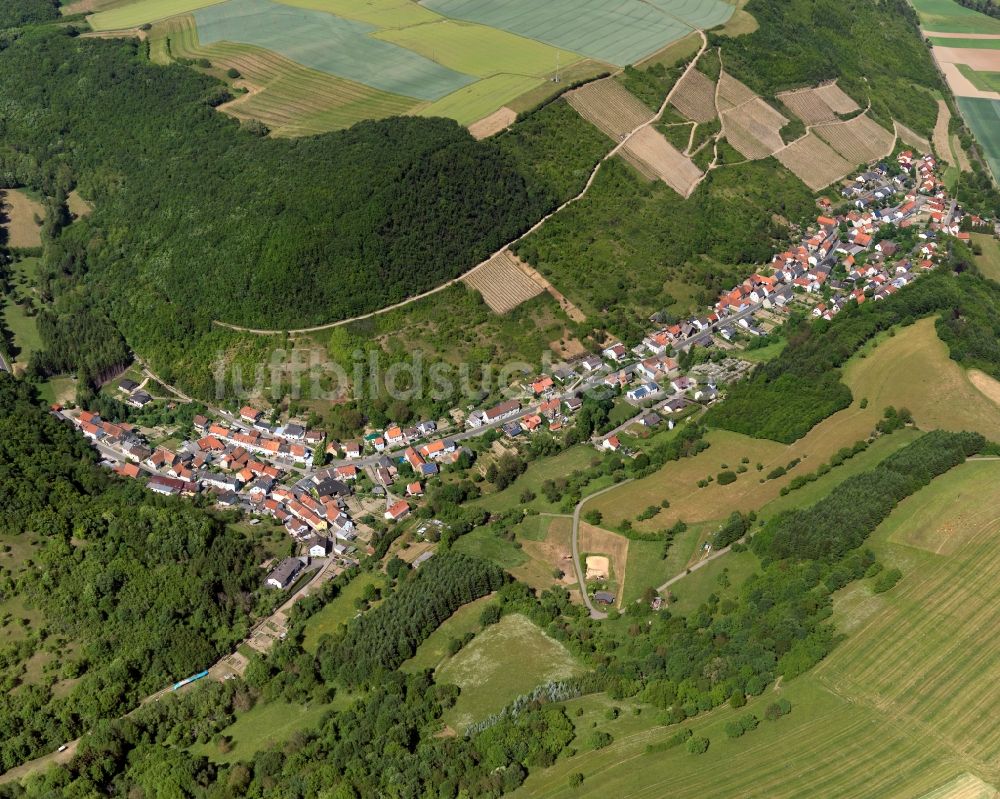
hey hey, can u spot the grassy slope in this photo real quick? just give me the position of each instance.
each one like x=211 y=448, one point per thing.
x=338 y=611
x=989 y=261
x=434 y=650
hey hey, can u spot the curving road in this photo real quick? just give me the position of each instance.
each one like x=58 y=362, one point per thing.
x=574 y=540
x=590 y=181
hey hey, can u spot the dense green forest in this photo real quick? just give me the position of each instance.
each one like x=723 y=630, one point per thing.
x=132 y=590
x=873 y=47
x=26 y=12
x=196 y=218
x=786 y=397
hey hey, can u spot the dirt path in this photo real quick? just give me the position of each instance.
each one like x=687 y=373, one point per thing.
x=574 y=541
x=583 y=192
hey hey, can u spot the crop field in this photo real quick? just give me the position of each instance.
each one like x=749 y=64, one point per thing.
x=990 y=41
x=949 y=17
x=814 y=162
x=504 y=282
x=132 y=15
x=753 y=128
x=473 y=102
x=807 y=106
x=327 y=43
x=657 y=159
x=984 y=81
x=858 y=140
x=912 y=138
x=381 y=13
x=290 y=99
x=983 y=117
x=504 y=661
x=621 y=32
x=610 y=107
x=694 y=97
x=490 y=125
x=733 y=93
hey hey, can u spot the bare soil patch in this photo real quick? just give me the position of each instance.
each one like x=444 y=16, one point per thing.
x=78 y=206
x=500 y=119
x=615 y=547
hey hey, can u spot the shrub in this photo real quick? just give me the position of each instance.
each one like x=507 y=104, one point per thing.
x=697 y=745
x=887 y=580
x=726 y=477
x=599 y=739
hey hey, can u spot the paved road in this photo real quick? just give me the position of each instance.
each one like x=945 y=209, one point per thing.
x=574 y=540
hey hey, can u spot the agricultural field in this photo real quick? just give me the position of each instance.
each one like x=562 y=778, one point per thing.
x=990 y=41
x=131 y=15
x=754 y=128
x=818 y=104
x=621 y=34
x=504 y=281
x=858 y=140
x=984 y=81
x=814 y=162
x=20 y=211
x=610 y=107
x=657 y=159
x=506 y=660
x=947 y=16
x=732 y=93
x=694 y=97
x=983 y=117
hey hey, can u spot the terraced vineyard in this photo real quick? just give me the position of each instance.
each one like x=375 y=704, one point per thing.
x=610 y=107
x=504 y=282
x=657 y=159
x=814 y=162
x=858 y=140
x=837 y=98
x=285 y=96
x=753 y=128
x=808 y=105
x=732 y=93
x=694 y=97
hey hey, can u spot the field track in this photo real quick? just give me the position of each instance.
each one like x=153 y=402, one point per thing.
x=583 y=192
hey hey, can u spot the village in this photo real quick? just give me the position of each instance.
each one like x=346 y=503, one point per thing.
x=327 y=494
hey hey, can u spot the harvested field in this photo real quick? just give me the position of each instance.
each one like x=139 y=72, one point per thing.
x=941 y=146
x=858 y=140
x=292 y=100
x=732 y=93
x=694 y=97
x=483 y=97
x=814 y=162
x=656 y=158
x=753 y=128
x=982 y=59
x=965 y=786
x=499 y=120
x=610 y=107
x=504 y=282
x=836 y=98
x=20 y=211
x=912 y=138
x=808 y=105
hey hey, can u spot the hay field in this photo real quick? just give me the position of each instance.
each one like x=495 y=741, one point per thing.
x=478 y=50
x=132 y=15
x=473 y=102
x=327 y=43
x=983 y=117
x=20 y=211
x=694 y=97
x=619 y=33
x=491 y=124
x=753 y=128
x=657 y=159
x=989 y=261
x=610 y=107
x=814 y=162
x=506 y=660
x=949 y=17
x=290 y=99
x=504 y=282
x=858 y=140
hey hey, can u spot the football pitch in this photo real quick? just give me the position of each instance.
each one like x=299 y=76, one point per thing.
x=619 y=32
x=330 y=44
x=983 y=117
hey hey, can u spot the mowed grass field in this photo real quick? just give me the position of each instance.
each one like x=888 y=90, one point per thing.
x=138 y=13
x=984 y=81
x=947 y=16
x=434 y=651
x=983 y=117
x=504 y=661
x=339 y=610
x=989 y=261
x=289 y=98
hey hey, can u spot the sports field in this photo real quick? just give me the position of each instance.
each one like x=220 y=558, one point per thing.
x=328 y=43
x=504 y=661
x=948 y=16
x=620 y=32
x=983 y=117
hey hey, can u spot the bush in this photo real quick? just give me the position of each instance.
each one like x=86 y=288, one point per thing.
x=776 y=473
x=887 y=580
x=697 y=746
x=599 y=739
x=726 y=477
x=575 y=779
x=232 y=73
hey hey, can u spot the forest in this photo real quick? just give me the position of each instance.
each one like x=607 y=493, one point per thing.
x=787 y=397
x=133 y=591
x=197 y=218
x=27 y=12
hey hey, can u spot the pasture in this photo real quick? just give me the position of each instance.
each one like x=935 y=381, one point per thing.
x=328 y=43
x=621 y=33
x=983 y=117
x=948 y=16
x=506 y=660
x=338 y=610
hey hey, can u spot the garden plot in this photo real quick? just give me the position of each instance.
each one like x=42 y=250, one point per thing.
x=694 y=97
x=610 y=107
x=657 y=159
x=329 y=44
x=732 y=93
x=503 y=281
x=754 y=128
x=814 y=162
x=858 y=140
